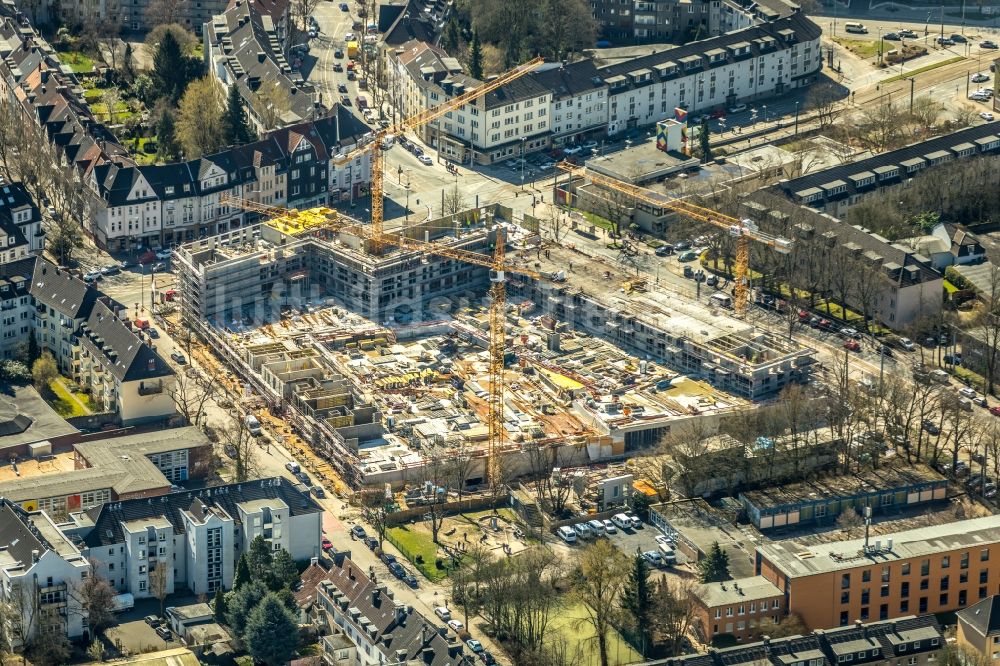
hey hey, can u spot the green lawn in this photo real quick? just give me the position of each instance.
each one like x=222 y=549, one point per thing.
x=122 y=111
x=581 y=635
x=68 y=403
x=921 y=70
x=78 y=62
x=415 y=544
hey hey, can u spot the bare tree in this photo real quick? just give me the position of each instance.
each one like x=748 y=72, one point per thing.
x=824 y=100
x=271 y=105
x=597 y=586
x=158 y=582
x=674 y=612
x=435 y=473
x=552 y=490
x=163 y=12
x=454 y=202
x=96 y=598
x=301 y=11
x=191 y=393
x=879 y=127
x=986 y=329
x=377 y=507
x=242 y=447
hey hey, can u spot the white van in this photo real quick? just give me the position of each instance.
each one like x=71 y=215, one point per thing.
x=253 y=425
x=582 y=530
x=567 y=534
x=621 y=521
x=597 y=527
x=856 y=27
x=668 y=554
x=721 y=300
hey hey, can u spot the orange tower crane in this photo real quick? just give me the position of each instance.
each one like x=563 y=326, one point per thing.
x=743 y=230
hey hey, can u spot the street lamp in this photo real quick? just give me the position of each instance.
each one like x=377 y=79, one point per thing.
x=753 y=117
x=407 y=195
x=796 y=117
x=764 y=106
x=522 y=164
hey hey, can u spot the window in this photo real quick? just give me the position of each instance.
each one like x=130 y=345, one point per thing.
x=945 y=561
x=925 y=567
x=142 y=586
x=865 y=595
x=884 y=592
x=904 y=606
x=924 y=583
x=984 y=555
x=866 y=576
x=943 y=599
x=963 y=562
x=923 y=604
x=904 y=590
x=983 y=576
x=944 y=583
x=845 y=580
x=845 y=597
x=905 y=569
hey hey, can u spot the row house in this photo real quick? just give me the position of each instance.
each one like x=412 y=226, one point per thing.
x=907 y=641
x=21 y=233
x=245 y=47
x=562 y=103
x=17 y=309
x=759 y=62
x=196 y=536
x=837 y=189
x=299 y=166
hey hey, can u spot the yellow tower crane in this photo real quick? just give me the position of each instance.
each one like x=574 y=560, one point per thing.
x=376 y=150
x=744 y=230
x=498 y=268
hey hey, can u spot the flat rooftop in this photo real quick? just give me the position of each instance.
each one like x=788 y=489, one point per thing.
x=34 y=467
x=832 y=487
x=18 y=402
x=701 y=525
x=796 y=560
x=736 y=591
x=641 y=163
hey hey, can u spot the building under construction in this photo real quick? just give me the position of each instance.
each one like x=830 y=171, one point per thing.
x=379 y=356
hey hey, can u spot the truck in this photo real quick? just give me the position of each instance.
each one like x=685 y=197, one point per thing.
x=122 y=602
x=352 y=50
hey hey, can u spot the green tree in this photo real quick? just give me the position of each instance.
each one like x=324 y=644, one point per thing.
x=715 y=566
x=242 y=573
x=705 y=140
x=243 y=602
x=33 y=350
x=96 y=650
x=219 y=606
x=169 y=68
x=199 y=118
x=476 y=57
x=166 y=137
x=284 y=574
x=637 y=600
x=43 y=371
x=271 y=633
x=259 y=559
x=234 y=122
x=451 y=37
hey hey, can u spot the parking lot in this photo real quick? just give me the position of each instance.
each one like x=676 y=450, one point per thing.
x=628 y=541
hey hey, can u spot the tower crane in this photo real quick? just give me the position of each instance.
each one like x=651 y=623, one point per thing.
x=413 y=122
x=744 y=230
x=498 y=267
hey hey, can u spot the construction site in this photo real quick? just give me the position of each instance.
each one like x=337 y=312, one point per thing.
x=380 y=357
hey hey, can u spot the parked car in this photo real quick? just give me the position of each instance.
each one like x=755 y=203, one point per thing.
x=687 y=256
x=636 y=522
x=229 y=450
x=930 y=427
x=738 y=108
x=682 y=245
x=341 y=87
x=344 y=7
x=487 y=658
x=986 y=115
x=712 y=280
x=621 y=521
x=979 y=77
x=338 y=54
x=397 y=570
x=304 y=478
x=158 y=268
x=654 y=558
x=967 y=392
x=567 y=534
x=456 y=625
x=573 y=150
x=940 y=376
x=907 y=33
x=609 y=527
x=852 y=345
x=164 y=254
x=987 y=44
x=152 y=620
x=178 y=357
x=953 y=359
x=475 y=645
x=663 y=250
x=425 y=160
x=891 y=36
x=945 y=41
x=388 y=558
x=443 y=613
x=359 y=532
x=164 y=632
x=907 y=344
x=113 y=269
x=337 y=67
x=92 y=276
x=411 y=581
x=959 y=39
x=597 y=527
x=583 y=530
x=688 y=272
x=371 y=542
x=327 y=545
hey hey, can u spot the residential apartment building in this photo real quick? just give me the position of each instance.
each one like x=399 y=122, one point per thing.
x=909 y=286
x=198 y=536
x=40 y=573
x=837 y=189
x=361 y=624
x=511 y=120
x=17 y=308
x=164 y=205
x=21 y=233
x=979 y=629
x=761 y=61
x=98 y=348
x=119 y=468
x=244 y=46
x=913 y=641
x=746 y=608
x=928 y=570
x=579 y=104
